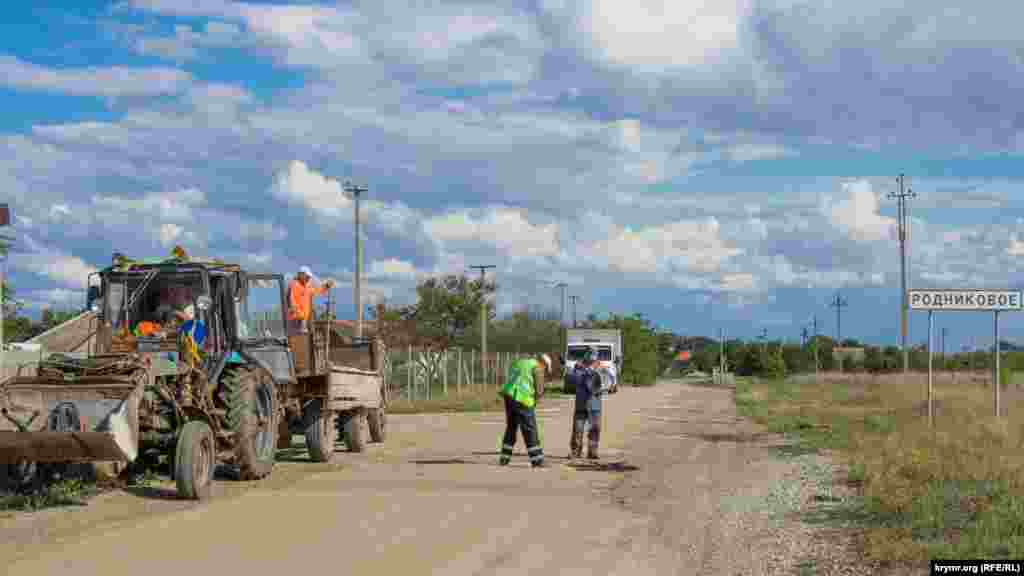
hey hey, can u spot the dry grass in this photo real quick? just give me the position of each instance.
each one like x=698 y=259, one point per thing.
x=955 y=491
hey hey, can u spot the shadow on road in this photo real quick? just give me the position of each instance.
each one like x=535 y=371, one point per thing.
x=152 y=492
x=598 y=466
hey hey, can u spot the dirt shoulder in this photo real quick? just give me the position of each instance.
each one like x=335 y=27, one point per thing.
x=683 y=490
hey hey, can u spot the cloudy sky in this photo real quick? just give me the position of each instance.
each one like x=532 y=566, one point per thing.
x=710 y=164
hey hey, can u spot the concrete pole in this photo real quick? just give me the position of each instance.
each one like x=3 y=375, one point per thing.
x=995 y=375
x=931 y=412
x=357 y=280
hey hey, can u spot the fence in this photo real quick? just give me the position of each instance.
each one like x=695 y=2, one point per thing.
x=416 y=373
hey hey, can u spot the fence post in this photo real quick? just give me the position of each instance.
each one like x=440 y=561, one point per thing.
x=458 y=370
x=408 y=372
x=444 y=369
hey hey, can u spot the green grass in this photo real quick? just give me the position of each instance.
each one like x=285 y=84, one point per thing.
x=67 y=492
x=955 y=491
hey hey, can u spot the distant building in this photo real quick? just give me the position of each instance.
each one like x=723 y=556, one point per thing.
x=848 y=352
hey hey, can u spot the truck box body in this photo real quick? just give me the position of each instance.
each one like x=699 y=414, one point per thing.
x=607 y=342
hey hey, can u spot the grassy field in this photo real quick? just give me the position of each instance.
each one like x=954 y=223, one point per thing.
x=476 y=399
x=955 y=491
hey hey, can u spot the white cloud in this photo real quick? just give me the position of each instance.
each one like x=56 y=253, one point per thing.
x=683 y=246
x=1016 y=247
x=659 y=36
x=301 y=186
x=506 y=229
x=857 y=214
x=392 y=268
x=53 y=264
x=93 y=81
x=56 y=297
x=169 y=233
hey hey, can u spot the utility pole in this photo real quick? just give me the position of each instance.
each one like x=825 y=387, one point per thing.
x=943 y=344
x=901 y=198
x=803 y=336
x=721 y=353
x=816 y=363
x=355 y=191
x=574 y=298
x=5 y=221
x=561 y=317
x=483 y=319
x=762 y=337
x=562 y=334
x=838 y=303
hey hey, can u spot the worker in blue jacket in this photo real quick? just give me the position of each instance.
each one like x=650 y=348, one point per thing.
x=587 y=382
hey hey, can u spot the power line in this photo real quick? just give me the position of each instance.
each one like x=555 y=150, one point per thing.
x=901 y=198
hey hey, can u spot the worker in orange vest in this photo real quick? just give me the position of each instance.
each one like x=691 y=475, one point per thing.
x=300 y=300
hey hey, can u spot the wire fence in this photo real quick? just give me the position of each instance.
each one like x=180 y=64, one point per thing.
x=413 y=373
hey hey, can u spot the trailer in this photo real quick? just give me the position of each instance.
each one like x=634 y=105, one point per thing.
x=340 y=390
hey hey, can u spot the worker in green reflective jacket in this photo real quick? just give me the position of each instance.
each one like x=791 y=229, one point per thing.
x=524 y=385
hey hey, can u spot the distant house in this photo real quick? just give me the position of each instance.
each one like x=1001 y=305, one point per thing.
x=848 y=352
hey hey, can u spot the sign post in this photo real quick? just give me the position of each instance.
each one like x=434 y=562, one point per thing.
x=931 y=325
x=968 y=300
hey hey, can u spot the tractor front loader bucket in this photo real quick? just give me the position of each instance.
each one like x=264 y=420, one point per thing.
x=84 y=420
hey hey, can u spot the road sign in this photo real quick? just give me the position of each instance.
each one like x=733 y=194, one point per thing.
x=970 y=300
x=994 y=301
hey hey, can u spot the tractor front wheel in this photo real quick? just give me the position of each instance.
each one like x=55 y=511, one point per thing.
x=194 y=460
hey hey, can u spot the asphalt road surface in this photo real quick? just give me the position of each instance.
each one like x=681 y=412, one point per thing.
x=432 y=500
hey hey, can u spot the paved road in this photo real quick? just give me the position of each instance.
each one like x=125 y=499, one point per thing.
x=433 y=500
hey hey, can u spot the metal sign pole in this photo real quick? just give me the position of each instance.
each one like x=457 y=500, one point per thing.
x=995 y=376
x=931 y=413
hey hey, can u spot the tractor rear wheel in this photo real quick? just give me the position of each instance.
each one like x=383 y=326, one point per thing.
x=252 y=418
x=320 y=431
x=352 y=428
x=376 y=421
x=195 y=460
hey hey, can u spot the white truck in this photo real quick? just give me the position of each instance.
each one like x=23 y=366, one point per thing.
x=607 y=344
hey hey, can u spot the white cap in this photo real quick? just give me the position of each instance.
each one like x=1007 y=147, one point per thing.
x=547 y=361
x=308 y=272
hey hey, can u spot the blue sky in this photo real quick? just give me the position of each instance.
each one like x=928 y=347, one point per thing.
x=711 y=165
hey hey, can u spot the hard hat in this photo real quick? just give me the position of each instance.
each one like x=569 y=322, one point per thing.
x=547 y=361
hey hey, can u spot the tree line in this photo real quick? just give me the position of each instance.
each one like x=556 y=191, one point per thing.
x=447 y=314
x=19 y=327
x=775 y=359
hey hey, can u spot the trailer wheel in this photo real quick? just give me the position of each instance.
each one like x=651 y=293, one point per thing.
x=376 y=422
x=194 y=460
x=252 y=417
x=352 y=428
x=320 y=431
